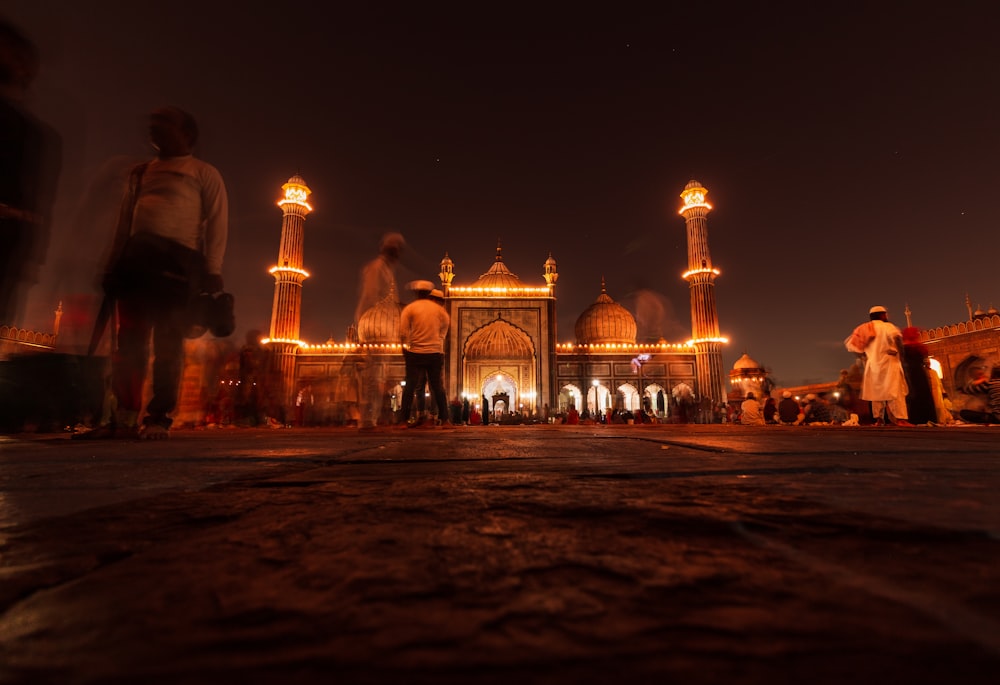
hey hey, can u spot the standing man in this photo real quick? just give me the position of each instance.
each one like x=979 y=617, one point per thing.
x=883 y=383
x=423 y=326
x=169 y=247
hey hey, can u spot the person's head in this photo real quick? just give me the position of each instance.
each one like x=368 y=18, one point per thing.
x=18 y=60
x=172 y=131
x=810 y=397
x=437 y=296
x=786 y=395
x=750 y=396
x=391 y=246
x=879 y=313
x=421 y=289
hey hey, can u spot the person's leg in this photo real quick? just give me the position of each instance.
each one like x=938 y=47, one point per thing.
x=168 y=361
x=878 y=412
x=897 y=410
x=130 y=359
x=435 y=376
x=412 y=378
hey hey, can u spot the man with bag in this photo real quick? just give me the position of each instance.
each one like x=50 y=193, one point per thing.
x=168 y=248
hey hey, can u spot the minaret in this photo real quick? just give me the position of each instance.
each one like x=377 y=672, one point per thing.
x=286 y=312
x=447 y=274
x=701 y=281
x=551 y=275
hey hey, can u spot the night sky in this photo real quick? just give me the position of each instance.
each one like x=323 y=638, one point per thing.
x=851 y=156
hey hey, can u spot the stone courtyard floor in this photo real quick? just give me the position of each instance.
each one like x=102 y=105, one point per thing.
x=521 y=554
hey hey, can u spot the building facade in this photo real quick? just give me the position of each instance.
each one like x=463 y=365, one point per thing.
x=502 y=354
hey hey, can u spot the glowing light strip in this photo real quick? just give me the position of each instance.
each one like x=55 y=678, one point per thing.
x=692 y=206
x=289 y=269
x=345 y=347
x=707 y=340
x=624 y=347
x=497 y=290
x=287 y=341
x=691 y=272
x=282 y=203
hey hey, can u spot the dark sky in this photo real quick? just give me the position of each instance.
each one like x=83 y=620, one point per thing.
x=851 y=153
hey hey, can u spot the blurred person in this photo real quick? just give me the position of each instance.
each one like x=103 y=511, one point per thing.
x=30 y=160
x=988 y=410
x=378 y=277
x=770 y=409
x=916 y=364
x=816 y=410
x=377 y=282
x=423 y=326
x=169 y=246
x=884 y=382
x=788 y=409
x=750 y=411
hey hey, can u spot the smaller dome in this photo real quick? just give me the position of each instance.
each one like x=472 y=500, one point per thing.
x=380 y=324
x=447 y=260
x=992 y=311
x=979 y=311
x=605 y=321
x=297 y=180
x=693 y=184
x=745 y=362
x=550 y=261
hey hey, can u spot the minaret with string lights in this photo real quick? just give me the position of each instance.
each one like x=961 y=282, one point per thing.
x=700 y=276
x=286 y=312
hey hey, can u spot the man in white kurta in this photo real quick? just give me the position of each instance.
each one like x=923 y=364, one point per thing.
x=884 y=383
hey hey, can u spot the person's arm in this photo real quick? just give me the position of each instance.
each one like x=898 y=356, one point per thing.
x=215 y=209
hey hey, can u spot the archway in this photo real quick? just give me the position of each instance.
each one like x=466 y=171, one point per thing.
x=570 y=395
x=499 y=388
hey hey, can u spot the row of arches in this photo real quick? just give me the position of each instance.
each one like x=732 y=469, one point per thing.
x=654 y=397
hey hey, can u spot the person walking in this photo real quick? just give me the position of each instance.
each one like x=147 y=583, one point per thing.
x=423 y=326
x=168 y=248
x=883 y=383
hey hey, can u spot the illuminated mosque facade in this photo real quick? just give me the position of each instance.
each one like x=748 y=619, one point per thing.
x=501 y=349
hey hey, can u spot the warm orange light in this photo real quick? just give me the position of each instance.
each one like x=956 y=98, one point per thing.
x=694 y=197
x=295 y=194
x=499 y=291
x=288 y=269
x=287 y=341
x=691 y=272
x=706 y=340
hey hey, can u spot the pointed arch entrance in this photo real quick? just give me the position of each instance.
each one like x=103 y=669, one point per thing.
x=499 y=365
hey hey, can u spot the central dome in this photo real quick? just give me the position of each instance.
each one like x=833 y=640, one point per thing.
x=605 y=322
x=498 y=276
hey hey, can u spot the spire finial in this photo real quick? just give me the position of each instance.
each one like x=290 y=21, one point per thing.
x=499 y=250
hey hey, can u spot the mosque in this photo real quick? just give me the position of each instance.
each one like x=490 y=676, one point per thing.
x=501 y=349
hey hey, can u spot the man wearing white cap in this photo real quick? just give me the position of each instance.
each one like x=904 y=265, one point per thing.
x=423 y=326
x=884 y=383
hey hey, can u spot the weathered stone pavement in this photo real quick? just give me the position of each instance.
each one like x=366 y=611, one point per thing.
x=697 y=554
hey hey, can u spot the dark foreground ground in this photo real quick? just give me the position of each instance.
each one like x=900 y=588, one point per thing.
x=694 y=554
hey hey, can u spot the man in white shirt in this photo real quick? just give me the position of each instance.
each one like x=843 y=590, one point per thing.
x=423 y=326
x=169 y=247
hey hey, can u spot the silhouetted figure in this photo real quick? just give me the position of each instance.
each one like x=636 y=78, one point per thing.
x=168 y=248
x=916 y=364
x=30 y=157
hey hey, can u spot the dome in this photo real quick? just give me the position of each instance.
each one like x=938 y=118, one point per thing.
x=745 y=362
x=498 y=276
x=380 y=324
x=605 y=321
x=992 y=311
x=499 y=340
x=550 y=261
x=693 y=184
x=297 y=180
